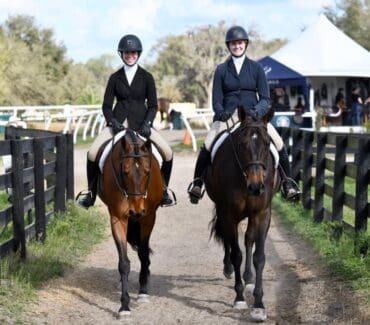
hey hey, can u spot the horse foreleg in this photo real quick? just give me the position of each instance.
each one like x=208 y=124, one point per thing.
x=236 y=260
x=258 y=312
x=143 y=253
x=228 y=267
x=119 y=231
x=249 y=238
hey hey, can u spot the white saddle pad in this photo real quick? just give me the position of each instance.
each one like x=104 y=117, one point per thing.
x=222 y=138
x=116 y=138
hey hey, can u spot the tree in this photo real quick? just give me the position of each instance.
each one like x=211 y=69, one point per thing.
x=353 y=18
x=190 y=60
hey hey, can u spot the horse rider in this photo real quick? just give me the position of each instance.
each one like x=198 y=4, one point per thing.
x=136 y=103
x=240 y=82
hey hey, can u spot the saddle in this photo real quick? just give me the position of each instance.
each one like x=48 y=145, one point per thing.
x=106 y=148
x=223 y=135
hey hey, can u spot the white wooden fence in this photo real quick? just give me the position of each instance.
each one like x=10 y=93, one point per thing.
x=88 y=118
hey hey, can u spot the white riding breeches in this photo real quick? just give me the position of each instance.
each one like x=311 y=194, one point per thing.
x=106 y=134
x=218 y=127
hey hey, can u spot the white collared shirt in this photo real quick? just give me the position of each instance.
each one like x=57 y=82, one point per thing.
x=238 y=62
x=130 y=72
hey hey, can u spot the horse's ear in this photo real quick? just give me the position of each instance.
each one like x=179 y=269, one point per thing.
x=241 y=113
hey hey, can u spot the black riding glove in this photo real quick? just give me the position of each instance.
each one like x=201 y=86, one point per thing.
x=223 y=116
x=116 y=126
x=145 y=130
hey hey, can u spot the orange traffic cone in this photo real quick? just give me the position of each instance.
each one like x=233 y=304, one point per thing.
x=187 y=140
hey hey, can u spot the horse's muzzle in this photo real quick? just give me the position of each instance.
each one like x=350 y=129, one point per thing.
x=135 y=216
x=256 y=189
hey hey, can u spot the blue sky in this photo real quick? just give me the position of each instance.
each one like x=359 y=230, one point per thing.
x=90 y=28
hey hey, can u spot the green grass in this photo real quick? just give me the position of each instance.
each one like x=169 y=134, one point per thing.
x=69 y=237
x=181 y=147
x=334 y=246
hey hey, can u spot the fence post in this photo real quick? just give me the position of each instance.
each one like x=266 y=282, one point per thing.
x=70 y=167
x=307 y=169
x=38 y=169
x=318 y=214
x=17 y=197
x=362 y=180
x=61 y=172
x=339 y=174
x=296 y=154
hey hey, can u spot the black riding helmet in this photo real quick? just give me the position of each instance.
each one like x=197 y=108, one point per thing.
x=236 y=33
x=130 y=43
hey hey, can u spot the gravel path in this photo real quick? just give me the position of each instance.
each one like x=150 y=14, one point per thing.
x=187 y=284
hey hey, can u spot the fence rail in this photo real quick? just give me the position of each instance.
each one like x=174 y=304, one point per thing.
x=41 y=176
x=323 y=162
x=76 y=118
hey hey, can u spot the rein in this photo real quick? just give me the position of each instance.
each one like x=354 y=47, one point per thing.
x=252 y=163
x=122 y=188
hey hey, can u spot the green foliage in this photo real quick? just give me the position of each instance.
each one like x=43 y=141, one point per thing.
x=353 y=18
x=69 y=237
x=334 y=246
x=34 y=69
x=188 y=61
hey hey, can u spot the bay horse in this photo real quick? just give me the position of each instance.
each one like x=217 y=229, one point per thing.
x=163 y=108
x=241 y=182
x=131 y=186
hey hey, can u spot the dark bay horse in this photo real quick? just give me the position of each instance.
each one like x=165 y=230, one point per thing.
x=131 y=186
x=241 y=183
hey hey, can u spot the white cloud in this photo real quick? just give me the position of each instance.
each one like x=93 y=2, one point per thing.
x=312 y=4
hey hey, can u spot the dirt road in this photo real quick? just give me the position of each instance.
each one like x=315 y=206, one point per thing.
x=187 y=284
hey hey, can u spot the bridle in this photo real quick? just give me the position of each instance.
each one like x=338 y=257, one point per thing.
x=244 y=168
x=118 y=175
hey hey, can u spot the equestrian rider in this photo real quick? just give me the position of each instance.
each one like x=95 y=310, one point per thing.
x=239 y=82
x=136 y=103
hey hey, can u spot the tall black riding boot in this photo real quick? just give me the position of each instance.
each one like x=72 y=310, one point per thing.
x=289 y=189
x=88 y=199
x=166 y=172
x=195 y=187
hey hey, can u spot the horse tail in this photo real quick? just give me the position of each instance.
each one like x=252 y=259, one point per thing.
x=216 y=229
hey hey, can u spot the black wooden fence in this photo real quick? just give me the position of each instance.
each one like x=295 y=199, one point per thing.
x=40 y=179
x=323 y=162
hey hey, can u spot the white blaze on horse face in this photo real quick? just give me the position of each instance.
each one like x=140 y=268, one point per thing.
x=136 y=165
x=254 y=136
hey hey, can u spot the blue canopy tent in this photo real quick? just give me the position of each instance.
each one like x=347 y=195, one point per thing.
x=279 y=75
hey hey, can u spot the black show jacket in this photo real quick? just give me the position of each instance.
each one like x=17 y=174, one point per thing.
x=136 y=102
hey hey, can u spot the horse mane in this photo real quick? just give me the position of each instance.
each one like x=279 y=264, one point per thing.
x=133 y=137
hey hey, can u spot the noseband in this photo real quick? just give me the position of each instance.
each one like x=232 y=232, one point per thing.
x=118 y=175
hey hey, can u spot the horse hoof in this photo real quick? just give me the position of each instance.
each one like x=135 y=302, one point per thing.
x=142 y=298
x=258 y=314
x=240 y=305
x=228 y=275
x=249 y=287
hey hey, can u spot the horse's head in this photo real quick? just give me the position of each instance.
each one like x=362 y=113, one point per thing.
x=132 y=161
x=252 y=145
